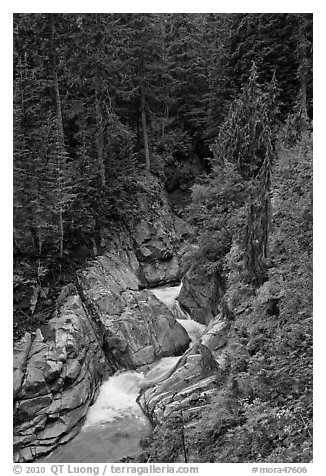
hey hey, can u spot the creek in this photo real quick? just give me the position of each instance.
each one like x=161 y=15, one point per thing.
x=115 y=424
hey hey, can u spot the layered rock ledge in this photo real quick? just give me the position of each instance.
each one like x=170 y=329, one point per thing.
x=183 y=398
x=109 y=323
x=192 y=379
x=200 y=295
x=136 y=327
x=57 y=373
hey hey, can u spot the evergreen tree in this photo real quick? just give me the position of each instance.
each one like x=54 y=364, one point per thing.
x=92 y=90
x=188 y=64
x=220 y=94
x=273 y=41
x=40 y=170
x=247 y=139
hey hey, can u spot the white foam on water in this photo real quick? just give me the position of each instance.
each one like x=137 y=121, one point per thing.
x=168 y=295
x=178 y=312
x=160 y=368
x=115 y=423
x=193 y=328
x=117 y=398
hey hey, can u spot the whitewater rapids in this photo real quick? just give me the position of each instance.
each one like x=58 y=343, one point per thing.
x=115 y=424
x=168 y=295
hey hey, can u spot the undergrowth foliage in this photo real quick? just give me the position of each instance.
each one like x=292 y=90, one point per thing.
x=86 y=86
x=265 y=413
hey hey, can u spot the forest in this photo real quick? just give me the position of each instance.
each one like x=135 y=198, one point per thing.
x=105 y=103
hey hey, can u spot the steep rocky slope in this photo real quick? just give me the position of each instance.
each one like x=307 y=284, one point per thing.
x=57 y=373
x=136 y=327
x=104 y=322
x=179 y=404
x=200 y=294
x=109 y=324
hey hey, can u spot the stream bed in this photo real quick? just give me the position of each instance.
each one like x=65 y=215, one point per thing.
x=115 y=424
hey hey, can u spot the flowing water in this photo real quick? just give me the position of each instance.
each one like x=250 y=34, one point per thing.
x=115 y=423
x=169 y=295
x=113 y=427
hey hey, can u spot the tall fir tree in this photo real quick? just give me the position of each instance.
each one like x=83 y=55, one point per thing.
x=247 y=139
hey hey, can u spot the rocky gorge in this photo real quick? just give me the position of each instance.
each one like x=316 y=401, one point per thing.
x=109 y=320
x=141 y=358
x=162 y=237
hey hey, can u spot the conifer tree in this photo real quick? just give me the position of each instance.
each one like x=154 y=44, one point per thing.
x=187 y=57
x=275 y=41
x=144 y=38
x=247 y=139
x=41 y=173
x=220 y=94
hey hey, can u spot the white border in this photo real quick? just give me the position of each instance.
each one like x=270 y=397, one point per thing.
x=318 y=467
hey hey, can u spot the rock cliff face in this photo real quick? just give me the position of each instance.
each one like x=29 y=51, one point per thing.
x=137 y=328
x=110 y=322
x=181 y=402
x=56 y=376
x=200 y=295
x=57 y=372
x=158 y=236
x=151 y=243
x=194 y=376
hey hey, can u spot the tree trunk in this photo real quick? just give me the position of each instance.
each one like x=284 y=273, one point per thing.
x=143 y=114
x=138 y=125
x=61 y=156
x=303 y=68
x=258 y=225
x=61 y=161
x=164 y=61
x=165 y=118
x=99 y=134
x=303 y=95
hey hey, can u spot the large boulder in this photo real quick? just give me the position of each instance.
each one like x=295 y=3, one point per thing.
x=216 y=334
x=151 y=241
x=57 y=374
x=180 y=404
x=216 y=338
x=157 y=235
x=159 y=272
x=137 y=328
x=195 y=376
x=200 y=295
x=155 y=250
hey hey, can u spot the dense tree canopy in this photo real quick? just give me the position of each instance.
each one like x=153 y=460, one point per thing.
x=95 y=92
x=101 y=100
